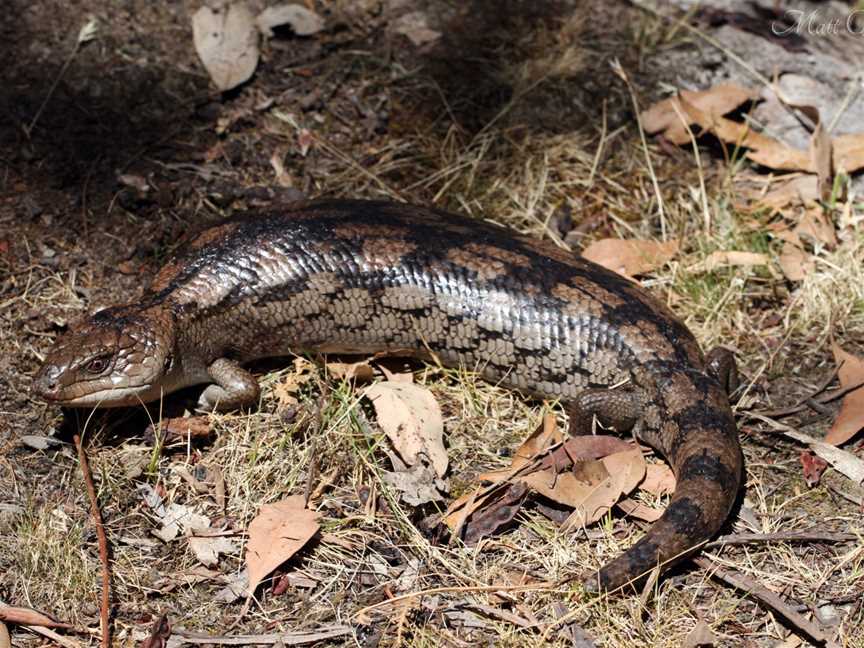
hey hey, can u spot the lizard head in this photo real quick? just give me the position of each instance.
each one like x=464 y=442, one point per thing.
x=123 y=355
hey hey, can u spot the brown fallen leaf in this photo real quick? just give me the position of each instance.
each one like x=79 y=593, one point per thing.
x=360 y=371
x=584 y=447
x=278 y=532
x=546 y=435
x=716 y=101
x=816 y=225
x=181 y=429
x=29 y=616
x=289 y=387
x=639 y=510
x=850 y=419
x=726 y=258
x=812 y=467
x=625 y=470
x=226 y=41
x=630 y=257
x=700 y=636
x=841 y=460
x=160 y=633
x=849 y=153
x=499 y=511
x=794 y=189
x=706 y=108
x=411 y=419
x=764 y=150
x=587 y=486
x=794 y=261
x=460 y=509
x=659 y=480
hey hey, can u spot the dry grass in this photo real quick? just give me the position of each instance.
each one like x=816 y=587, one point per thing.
x=372 y=548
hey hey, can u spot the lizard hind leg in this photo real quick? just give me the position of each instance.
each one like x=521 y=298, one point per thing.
x=620 y=409
x=720 y=365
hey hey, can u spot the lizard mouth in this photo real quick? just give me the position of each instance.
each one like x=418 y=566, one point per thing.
x=108 y=397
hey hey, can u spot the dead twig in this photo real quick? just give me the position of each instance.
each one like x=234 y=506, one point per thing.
x=768 y=598
x=56 y=637
x=284 y=638
x=814 y=401
x=781 y=536
x=103 y=542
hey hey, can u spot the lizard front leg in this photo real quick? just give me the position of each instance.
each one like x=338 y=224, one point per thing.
x=233 y=387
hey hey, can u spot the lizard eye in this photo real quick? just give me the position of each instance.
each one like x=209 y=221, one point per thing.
x=96 y=365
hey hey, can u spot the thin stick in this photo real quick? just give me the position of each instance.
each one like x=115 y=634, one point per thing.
x=102 y=539
x=782 y=536
x=768 y=598
x=440 y=590
x=286 y=639
x=821 y=400
x=56 y=637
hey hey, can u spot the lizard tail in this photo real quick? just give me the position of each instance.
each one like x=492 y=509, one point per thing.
x=700 y=441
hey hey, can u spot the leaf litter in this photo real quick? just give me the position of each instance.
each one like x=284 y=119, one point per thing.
x=586 y=474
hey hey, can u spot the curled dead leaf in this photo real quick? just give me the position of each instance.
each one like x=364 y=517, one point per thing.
x=301 y=20
x=499 y=511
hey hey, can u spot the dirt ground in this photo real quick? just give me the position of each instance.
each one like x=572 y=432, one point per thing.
x=110 y=152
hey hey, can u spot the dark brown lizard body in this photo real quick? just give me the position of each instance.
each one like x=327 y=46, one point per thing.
x=365 y=277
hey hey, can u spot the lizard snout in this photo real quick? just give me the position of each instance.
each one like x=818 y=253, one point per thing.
x=47 y=382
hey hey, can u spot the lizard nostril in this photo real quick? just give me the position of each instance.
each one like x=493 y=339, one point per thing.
x=47 y=382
